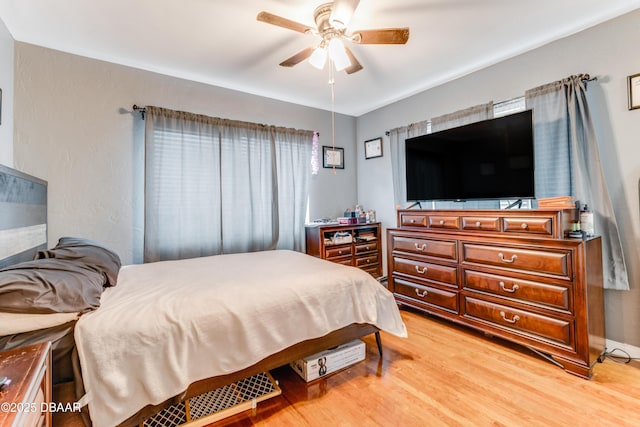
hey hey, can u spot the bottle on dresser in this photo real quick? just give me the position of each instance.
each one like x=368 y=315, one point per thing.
x=586 y=221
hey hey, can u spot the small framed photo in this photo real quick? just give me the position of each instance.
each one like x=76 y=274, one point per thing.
x=373 y=148
x=633 y=83
x=332 y=157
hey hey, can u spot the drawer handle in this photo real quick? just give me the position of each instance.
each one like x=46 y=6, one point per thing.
x=412 y=221
x=442 y=222
x=369 y=262
x=524 y=226
x=514 y=319
x=421 y=248
x=514 y=288
x=478 y=224
x=367 y=248
x=503 y=259
x=421 y=294
x=424 y=270
x=340 y=252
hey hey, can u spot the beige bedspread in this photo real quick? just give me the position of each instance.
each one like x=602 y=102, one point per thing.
x=168 y=324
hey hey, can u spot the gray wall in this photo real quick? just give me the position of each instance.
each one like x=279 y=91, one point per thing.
x=74 y=127
x=608 y=51
x=6 y=84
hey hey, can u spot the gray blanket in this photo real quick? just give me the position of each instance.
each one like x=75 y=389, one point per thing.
x=68 y=278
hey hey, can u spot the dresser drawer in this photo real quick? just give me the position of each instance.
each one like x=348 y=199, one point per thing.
x=337 y=251
x=363 y=261
x=442 y=221
x=341 y=260
x=514 y=274
x=481 y=223
x=436 y=248
x=533 y=260
x=417 y=220
x=426 y=271
x=532 y=225
x=29 y=393
x=447 y=300
x=527 y=291
x=372 y=270
x=366 y=247
x=549 y=329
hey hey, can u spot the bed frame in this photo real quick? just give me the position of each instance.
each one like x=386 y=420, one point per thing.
x=276 y=360
x=23 y=232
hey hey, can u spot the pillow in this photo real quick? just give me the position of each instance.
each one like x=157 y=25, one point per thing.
x=92 y=254
x=50 y=286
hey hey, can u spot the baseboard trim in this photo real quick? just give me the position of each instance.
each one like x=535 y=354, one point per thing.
x=633 y=351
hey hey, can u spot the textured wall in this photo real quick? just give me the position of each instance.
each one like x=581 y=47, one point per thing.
x=6 y=84
x=607 y=51
x=74 y=128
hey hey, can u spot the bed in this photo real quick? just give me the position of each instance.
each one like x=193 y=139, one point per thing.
x=167 y=331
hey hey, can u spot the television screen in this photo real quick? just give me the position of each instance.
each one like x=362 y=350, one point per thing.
x=491 y=159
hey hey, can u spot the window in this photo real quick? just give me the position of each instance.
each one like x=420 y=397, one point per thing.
x=217 y=186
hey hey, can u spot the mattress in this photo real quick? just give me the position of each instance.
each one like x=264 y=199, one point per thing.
x=168 y=324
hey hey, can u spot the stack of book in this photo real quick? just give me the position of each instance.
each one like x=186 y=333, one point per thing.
x=557 y=202
x=366 y=236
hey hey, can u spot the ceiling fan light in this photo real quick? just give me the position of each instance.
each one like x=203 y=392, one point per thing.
x=338 y=54
x=318 y=58
x=342 y=12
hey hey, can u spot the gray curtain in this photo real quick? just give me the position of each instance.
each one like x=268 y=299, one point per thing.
x=565 y=134
x=552 y=148
x=217 y=186
x=294 y=169
x=462 y=117
x=397 y=137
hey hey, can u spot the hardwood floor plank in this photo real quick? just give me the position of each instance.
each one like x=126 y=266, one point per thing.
x=448 y=375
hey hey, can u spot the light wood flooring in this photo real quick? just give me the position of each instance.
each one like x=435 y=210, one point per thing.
x=445 y=375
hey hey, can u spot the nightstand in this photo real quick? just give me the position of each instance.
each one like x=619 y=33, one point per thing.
x=24 y=401
x=360 y=248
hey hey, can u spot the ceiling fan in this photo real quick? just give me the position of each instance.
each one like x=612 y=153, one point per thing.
x=331 y=25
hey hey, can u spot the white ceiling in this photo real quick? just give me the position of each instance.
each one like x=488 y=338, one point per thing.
x=220 y=42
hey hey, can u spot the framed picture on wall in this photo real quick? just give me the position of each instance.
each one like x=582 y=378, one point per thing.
x=633 y=82
x=373 y=148
x=332 y=157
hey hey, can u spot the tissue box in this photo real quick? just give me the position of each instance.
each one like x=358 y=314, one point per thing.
x=326 y=362
x=347 y=220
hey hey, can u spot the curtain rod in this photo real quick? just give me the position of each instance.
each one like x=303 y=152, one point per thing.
x=585 y=77
x=142 y=110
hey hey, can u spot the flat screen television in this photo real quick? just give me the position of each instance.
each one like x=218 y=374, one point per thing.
x=490 y=159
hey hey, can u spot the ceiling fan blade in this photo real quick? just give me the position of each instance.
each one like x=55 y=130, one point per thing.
x=355 y=64
x=342 y=11
x=298 y=57
x=381 y=36
x=272 y=19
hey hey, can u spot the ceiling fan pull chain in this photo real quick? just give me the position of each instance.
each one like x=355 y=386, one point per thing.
x=332 y=82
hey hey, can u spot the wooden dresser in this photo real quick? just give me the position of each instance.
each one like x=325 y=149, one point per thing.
x=24 y=401
x=362 y=249
x=508 y=273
